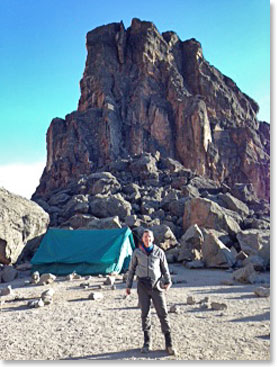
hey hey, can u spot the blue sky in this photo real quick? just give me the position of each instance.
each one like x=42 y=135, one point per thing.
x=43 y=55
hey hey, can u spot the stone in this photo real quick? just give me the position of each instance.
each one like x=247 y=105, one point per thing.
x=104 y=223
x=47 y=293
x=8 y=274
x=35 y=277
x=95 y=296
x=191 y=300
x=215 y=253
x=230 y=202
x=47 y=278
x=191 y=240
x=110 y=206
x=262 y=292
x=6 y=291
x=110 y=280
x=208 y=214
x=247 y=274
x=218 y=306
x=39 y=303
x=20 y=221
x=257 y=261
x=47 y=300
x=255 y=242
x=174 y=309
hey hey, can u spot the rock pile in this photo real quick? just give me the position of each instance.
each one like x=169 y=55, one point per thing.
x=195 y=220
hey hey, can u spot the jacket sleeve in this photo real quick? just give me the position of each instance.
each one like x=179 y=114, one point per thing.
x=132 y=270
x=165 y=268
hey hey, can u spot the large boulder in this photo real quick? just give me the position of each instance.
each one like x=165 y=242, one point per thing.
x=20 y=221
x=255 y=242
x=110 y=206
x=215 y=253
x=230 y=202
x=191 y=244
x=208 y=214
x=104 y=223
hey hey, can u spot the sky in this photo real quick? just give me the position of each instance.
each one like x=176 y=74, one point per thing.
x=43 y=54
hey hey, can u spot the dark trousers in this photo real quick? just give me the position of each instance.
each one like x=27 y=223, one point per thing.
x=145 y=294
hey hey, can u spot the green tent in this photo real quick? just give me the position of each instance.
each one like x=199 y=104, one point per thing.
x=64 y=251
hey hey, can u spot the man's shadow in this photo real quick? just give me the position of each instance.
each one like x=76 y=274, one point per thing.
x=124 y=354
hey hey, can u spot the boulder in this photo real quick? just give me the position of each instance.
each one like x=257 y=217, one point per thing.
x=192 y=240
x=218 y=306
x=258 y=262
x=78 y=221
x=247 y=274
x=6 y=291
x=144 y=167
x=8 y=274
x=230 y=202
x=208 y=214
x=255 y=242
x=104 y=223
x=215 y=253
x=20 y=221
x=262 y=292
x=46 y=278
x=77 y=204
x=104 y=186
x=110 y=206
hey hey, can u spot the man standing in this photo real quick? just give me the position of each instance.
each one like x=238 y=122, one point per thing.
x=150 y=265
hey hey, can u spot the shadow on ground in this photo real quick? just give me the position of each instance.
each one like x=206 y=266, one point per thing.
x=124 y=354
x=262 y=317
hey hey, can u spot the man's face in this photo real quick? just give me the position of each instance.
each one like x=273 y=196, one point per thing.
x=147 y=239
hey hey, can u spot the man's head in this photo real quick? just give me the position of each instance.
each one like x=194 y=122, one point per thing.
x=147 y=238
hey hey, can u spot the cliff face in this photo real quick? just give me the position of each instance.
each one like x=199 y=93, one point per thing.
x=143 y=91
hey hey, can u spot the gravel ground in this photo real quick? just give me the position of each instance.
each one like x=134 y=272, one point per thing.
x=74 y=327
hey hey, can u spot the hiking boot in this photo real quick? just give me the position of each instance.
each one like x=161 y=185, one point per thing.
x=168 y=345
x=147 y=342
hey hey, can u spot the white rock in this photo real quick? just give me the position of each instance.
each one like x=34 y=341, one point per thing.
x=95 y=296
x=48 y=293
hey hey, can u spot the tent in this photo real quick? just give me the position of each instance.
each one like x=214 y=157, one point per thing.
x=64 y=251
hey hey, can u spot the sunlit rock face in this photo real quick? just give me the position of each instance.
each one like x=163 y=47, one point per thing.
x=143 y=91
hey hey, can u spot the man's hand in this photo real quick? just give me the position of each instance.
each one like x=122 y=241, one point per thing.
x=128 y=291
x=167 y=286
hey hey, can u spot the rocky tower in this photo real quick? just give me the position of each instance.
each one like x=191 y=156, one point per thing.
x=143 y=91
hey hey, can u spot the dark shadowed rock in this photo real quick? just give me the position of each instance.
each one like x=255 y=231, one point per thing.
x=110 y=206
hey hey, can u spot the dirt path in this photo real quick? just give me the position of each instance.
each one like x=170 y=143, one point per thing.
x=76 y=328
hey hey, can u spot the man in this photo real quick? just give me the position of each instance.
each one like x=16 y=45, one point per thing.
x=150 y=265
